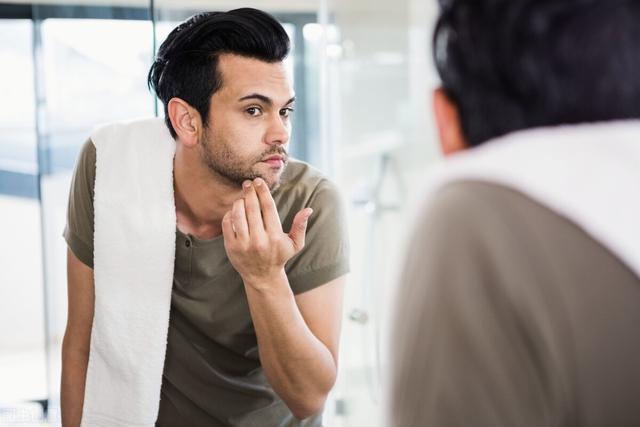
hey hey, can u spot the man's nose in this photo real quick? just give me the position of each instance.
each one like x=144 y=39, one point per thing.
x=279 y=131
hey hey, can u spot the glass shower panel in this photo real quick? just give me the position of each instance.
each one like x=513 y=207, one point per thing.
x=377 y=90
x=22 y=321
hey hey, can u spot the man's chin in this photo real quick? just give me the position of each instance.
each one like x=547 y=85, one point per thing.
x=272 y=177
x=272 y=182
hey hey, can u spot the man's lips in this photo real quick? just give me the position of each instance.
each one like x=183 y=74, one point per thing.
x=275 y=161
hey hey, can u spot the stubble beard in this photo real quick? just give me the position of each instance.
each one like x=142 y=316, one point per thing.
x=222 y=163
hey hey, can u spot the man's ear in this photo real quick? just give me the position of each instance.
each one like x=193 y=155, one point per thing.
x=185 y=121
x=447 y=118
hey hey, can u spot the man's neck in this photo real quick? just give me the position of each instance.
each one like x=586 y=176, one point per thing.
x=201 y=199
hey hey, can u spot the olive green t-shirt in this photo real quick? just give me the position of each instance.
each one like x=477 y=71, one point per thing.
x=212 y=373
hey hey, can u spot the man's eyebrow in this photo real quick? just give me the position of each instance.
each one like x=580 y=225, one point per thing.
x=264 y=99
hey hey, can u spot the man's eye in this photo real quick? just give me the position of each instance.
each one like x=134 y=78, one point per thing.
x=286 y=112
x=253 y=111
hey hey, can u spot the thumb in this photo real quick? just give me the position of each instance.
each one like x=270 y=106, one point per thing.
x=299 y=228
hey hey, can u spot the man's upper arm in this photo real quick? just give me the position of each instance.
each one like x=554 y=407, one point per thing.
x=79 y=236
x=317 y=275
x=321 y=309
x=80 y=213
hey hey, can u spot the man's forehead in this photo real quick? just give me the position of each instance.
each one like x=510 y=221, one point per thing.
x=242 y=76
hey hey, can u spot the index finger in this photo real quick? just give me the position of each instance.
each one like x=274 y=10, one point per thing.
x=268 y=207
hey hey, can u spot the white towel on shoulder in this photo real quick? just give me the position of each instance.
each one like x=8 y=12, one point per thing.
x=134 y=253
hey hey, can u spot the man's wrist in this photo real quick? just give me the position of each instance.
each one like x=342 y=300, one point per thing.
x=269 y=282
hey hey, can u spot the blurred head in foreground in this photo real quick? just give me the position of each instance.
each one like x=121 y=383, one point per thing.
x=508 y=65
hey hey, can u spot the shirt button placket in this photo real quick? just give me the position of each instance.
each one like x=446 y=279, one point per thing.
x=189 y=244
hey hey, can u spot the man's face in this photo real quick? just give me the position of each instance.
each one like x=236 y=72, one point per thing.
x=249 y=125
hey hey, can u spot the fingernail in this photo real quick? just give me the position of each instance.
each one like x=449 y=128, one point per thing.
x=246 y=184
x=258 y=181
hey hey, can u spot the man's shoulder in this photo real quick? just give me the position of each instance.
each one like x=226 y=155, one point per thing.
x=482 y=208
x=488 y=223
x=86 y=163
x=471 y=217
x=297 y=169
x=301 y=176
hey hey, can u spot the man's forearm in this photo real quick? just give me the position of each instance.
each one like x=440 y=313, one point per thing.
x=74 y=373
x=300 y=368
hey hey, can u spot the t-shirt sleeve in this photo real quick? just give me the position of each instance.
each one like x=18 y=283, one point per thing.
x=470 y=345
x=325 y=255
x=79 y=228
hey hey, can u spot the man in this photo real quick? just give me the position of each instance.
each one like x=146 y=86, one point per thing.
x=252 y=334
x=520 y=298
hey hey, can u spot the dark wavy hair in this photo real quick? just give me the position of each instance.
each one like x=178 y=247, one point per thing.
x=516 y=64
x=186 y=64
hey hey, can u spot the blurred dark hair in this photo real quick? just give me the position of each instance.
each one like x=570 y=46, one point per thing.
x=517 y=64
x=186 y=63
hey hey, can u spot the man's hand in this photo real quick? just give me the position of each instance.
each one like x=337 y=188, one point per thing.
x=253 y=237
x=297 y=335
